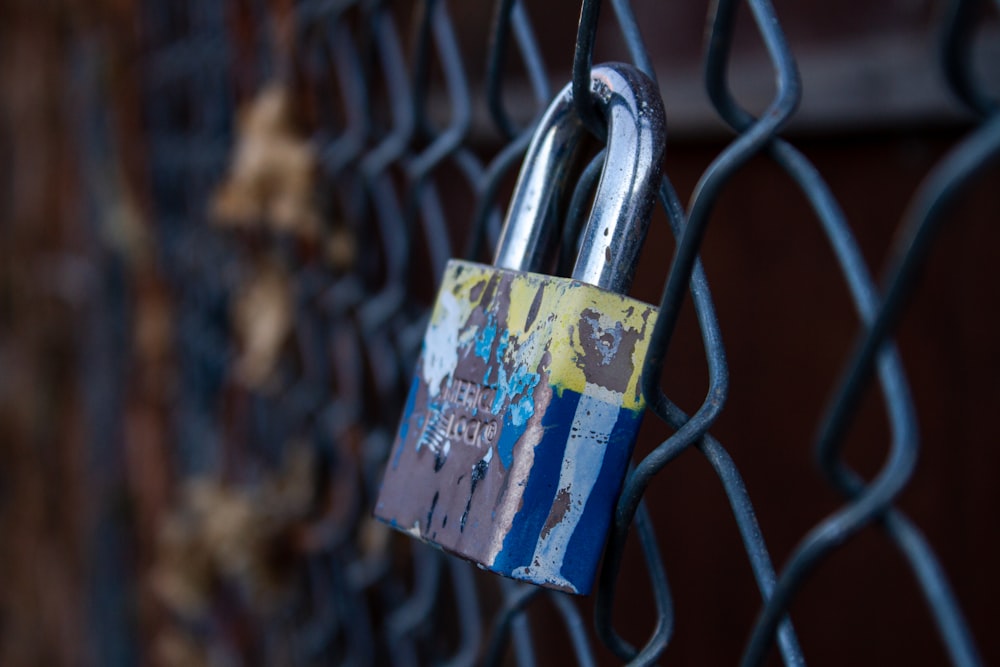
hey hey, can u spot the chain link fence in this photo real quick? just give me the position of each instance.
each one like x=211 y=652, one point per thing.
x=260 y=265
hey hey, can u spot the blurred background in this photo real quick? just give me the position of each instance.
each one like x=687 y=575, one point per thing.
x=221 y=225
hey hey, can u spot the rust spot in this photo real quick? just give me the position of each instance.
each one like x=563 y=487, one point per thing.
x=607 y=352
x=559 y=508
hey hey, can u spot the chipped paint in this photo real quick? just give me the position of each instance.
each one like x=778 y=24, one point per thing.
x=484 y=343
x=582 y=460
x=522 y=462
x=524 y=408
x=440 y=352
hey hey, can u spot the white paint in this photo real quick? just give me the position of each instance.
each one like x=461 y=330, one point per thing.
x=440 y=355
x=588 y=441
x=603 y=394
x=415 y=531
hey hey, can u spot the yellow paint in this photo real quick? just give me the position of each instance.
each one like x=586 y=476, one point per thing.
x=556 y=326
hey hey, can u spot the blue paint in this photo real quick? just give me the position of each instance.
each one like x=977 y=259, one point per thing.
x=502 y=347
x=509 y=435
x=521 y=382
x=515 y=400
x=404 y=423
x=588 y=541
x=522 y=410
x=501 y=393
x=484 y=341
x=540 y=491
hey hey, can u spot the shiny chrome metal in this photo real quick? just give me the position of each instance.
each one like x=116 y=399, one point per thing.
x=619 y=218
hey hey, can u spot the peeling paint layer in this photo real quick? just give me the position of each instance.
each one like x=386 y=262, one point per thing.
x=521 y=419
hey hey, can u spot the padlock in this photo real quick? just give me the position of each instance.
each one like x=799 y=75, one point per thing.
x=527 y=398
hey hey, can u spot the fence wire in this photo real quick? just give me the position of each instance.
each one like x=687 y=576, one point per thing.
x=252 y=108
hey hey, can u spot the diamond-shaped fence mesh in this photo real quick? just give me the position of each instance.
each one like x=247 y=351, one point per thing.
x=269 y=191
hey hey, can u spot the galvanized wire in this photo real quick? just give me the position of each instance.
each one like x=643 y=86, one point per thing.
x=390 y=173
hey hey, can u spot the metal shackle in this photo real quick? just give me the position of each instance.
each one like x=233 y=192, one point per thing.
x=619 y=217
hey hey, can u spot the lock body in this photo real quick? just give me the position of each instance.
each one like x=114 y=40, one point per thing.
x=527 y=396
x=520 y=422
